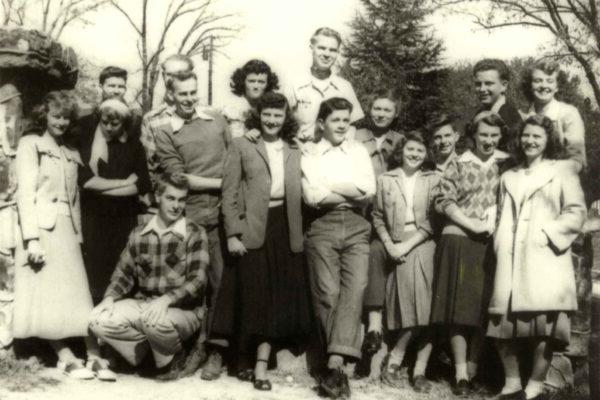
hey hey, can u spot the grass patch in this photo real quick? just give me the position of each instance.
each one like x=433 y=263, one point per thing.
x=23 y=375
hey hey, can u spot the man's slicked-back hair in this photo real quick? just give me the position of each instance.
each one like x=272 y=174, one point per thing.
x=112 y=72
x=493 y=64
x=326 y=31
x=178 y=181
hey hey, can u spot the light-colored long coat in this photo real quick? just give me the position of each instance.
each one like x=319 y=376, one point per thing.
x=533 y=241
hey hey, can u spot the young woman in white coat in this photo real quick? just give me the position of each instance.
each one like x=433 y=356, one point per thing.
x=541 y=212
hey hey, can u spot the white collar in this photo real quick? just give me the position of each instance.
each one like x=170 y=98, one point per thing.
x=178 y=228
x=469 y=156
x=551 y=110
x=498 y=104
x=177 y=122
x=323 y=146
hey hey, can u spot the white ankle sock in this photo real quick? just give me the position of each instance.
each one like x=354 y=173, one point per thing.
x=461 y=372
x=396 y=357
x=534 y=388
x=511 y=385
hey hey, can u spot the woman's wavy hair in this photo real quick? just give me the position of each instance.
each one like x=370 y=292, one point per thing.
x=238 y=79
x=278 y=101
x=116 y=108
x=487 y=118
x=554 y=150
x=546 y=66
x=395 y=160
x=56 y=99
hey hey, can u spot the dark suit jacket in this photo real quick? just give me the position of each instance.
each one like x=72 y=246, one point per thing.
x=246 y=192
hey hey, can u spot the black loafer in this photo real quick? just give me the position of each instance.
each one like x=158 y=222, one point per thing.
x=462 y=388
x=518 y=395
x=372 y=342
x=332 y=383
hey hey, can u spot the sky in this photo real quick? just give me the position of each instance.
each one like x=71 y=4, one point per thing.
x=278 y=32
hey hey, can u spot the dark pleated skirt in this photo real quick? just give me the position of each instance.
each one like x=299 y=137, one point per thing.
x=273 y=290
x=462 y=281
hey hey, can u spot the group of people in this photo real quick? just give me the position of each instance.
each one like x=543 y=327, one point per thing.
x=283 y=219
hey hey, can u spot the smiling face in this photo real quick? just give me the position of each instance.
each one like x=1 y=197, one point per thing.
x=271 y=121
x=489 y=87
x=255 y=85
x=335 y=126
x=413 y=155
x=171 y=204
x=444 y=141
x=57 y=121
x=185 y=97
x=486 y=139
x=543 y=86
x=113 y=87
x=533 y=142
x=383 y=111
x=325 y=50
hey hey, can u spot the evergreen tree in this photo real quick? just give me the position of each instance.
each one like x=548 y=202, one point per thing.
x=391 y=46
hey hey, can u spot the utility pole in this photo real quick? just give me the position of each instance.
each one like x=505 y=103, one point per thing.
x=207 y=55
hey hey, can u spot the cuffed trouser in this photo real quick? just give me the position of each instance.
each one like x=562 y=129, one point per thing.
x=125 y=331
x=215 y=275
x=337 y=252
x=378 y=263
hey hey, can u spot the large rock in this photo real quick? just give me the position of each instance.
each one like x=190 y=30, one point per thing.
x=31 y=52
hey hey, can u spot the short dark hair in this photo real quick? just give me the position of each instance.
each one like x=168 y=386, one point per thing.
x=487 y=118
x=440 y=119
x=180 y=77
x=546 y=66
x=554 y=150
x=60 y=99
x=493 y=64
x=395 y=160
x=176 y=180
x=112 y=72
x=328 y=106
x=278 y=101
x=238 y=79
x=326 y=31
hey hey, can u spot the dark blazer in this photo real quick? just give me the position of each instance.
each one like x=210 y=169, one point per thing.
x=246 y=192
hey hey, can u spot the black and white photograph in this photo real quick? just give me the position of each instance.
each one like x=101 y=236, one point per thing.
x=300 y=199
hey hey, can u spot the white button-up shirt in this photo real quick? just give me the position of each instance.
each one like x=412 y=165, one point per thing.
x=306 y=97
x=324 y=165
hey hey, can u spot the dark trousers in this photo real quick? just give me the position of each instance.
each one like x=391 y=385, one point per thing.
x=378 y=270
x=337 y=253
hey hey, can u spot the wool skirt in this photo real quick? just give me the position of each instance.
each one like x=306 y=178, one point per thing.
x=274 y=300
x=462 y=281
x=409 y=288
x=52 y=301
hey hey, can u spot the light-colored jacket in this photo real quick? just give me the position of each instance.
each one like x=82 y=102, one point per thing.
x=39 y=169
x=389 y=208
x=533 y=240
x=247 y=188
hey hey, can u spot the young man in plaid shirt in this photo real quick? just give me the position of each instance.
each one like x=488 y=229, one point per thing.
x=153 y=300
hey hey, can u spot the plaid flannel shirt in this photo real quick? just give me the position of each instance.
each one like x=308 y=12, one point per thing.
x=151 y=123
x=173 y=263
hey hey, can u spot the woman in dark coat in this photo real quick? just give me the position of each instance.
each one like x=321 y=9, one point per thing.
x=113 y=175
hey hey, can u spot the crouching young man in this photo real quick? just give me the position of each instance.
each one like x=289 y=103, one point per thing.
x=153 y=299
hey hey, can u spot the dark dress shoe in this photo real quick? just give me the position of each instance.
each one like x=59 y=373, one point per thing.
x=372 y=342
x=518 y=395
x=421 y=384
x=462 y=388
x=332 y=383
